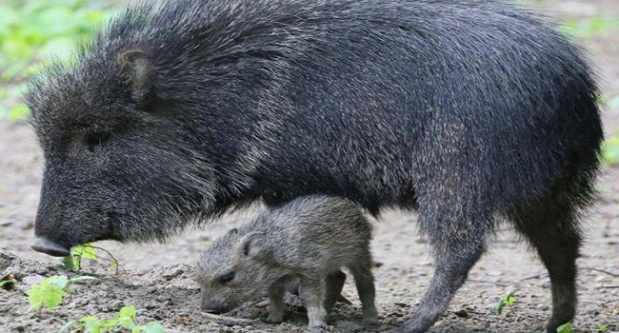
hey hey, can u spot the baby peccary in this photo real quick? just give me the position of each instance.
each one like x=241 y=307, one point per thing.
x=308 y=239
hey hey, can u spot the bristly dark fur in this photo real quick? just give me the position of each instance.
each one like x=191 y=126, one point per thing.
x=464 y=110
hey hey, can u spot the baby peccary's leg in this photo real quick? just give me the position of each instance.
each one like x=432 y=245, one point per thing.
x=276 y=297
x=334 y=283
x=364 y=280
x=313 y=292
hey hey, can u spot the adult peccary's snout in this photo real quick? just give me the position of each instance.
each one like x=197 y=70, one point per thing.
x=468 y=111
x=45 y=245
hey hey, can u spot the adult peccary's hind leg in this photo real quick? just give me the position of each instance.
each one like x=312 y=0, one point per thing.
x=552 y=228
x=458 y=241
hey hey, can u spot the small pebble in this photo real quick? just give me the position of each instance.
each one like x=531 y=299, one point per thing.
x=542 y=307
x=462 y=313
x=32 y=279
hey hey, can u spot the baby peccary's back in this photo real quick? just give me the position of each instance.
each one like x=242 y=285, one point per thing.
x=317 y=233
x=315 y=237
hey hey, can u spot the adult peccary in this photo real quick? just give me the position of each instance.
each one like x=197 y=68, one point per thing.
x=469 y=111
x=308 y=239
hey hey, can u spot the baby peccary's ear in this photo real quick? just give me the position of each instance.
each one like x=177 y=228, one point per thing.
x=254 y=245
x=137 y=66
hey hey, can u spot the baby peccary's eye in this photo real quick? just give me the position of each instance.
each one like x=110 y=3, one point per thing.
x=226 y=278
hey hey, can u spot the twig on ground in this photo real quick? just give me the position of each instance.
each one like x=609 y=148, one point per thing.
x=229 y=321
x=601 y=271
x=500 y=284
x=536 y=276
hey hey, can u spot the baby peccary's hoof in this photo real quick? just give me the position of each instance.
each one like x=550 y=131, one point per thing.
x=273 y=318
x=370 y=320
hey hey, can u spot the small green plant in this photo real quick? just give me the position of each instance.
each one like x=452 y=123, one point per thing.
x=602 y=327
x=35 y=31
x=89 y=252
x=124 y=320
x=566 y=328
x=78 y=253
x=50 y=292
x=8 y=282
x=508 y=299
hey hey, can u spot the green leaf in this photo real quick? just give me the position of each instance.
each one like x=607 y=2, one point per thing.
x=152 y=327
x=52 y=297
x=58 y=280
x=126 y=316
x=566 y=328
x=79 y=252
x=35 y=297
x=77 y=262
x=48 y=293
x=69 y=263
x=86 y=251
x=602 y=327
x=508 y=299
x=128 y=311
x=7 y=282
x=91 y=324
x=109 y=323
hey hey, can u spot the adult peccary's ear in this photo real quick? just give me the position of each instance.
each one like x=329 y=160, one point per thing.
x=253 y=245
x=137 y=66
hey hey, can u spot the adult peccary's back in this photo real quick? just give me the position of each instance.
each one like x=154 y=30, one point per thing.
x=465 y=110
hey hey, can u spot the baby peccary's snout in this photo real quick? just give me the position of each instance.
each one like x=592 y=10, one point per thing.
x=306 y=240
x=214 y=309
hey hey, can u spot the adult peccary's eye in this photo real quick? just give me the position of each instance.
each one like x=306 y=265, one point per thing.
x=226 y=278
x=95 y=138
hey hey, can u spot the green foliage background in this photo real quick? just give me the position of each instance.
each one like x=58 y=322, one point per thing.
x=33 y=31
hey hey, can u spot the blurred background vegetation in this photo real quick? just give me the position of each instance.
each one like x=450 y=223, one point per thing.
x=33 y=31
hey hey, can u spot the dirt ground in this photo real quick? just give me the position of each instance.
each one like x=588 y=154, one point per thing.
x=158 y=277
